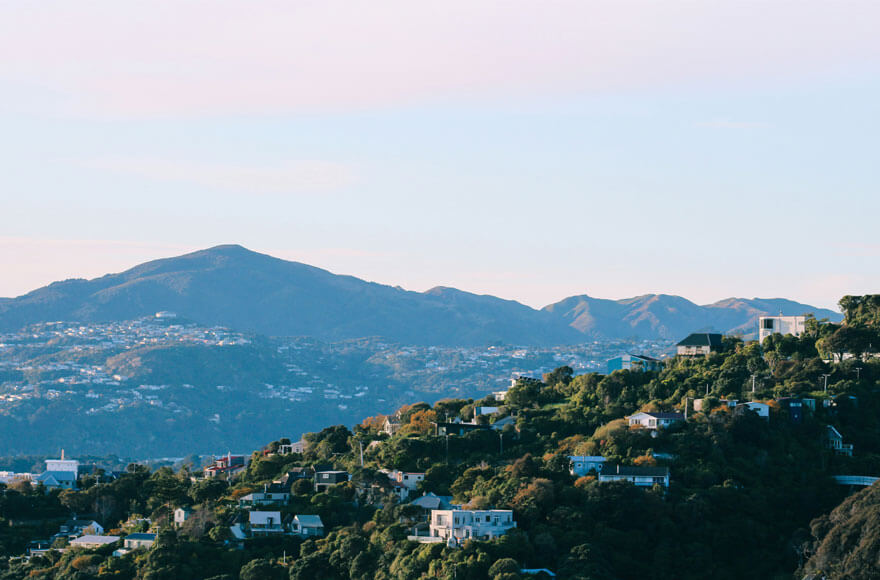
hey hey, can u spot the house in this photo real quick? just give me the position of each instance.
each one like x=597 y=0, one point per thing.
x=583 y=464
x=654 y=420
x=762 y=409
x=501 y=395
x=265 y=523
x=260 y=498
x=457 y=525
x=181 y=514
x=307 y=526
x=403 y=482
x=794 y=325
x=57 y=479
x=638 y=476
x=327 y=479
x=391 y=425
x=699 y=344
x=834 y=441
x=92 y=541
x=298 y=447
x=228 y=465
x=137 y=541
x=293 y=475
x=76 y=527
x=634 y=362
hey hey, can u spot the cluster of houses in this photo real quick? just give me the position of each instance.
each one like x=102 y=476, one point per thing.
x=89 y=534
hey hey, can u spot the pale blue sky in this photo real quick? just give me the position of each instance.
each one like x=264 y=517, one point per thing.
x=528 y=150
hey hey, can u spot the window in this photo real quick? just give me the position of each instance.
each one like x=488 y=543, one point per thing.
x=767 y=323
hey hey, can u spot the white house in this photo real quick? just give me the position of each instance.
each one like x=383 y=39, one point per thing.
x=91 y=541
x=459 y=525
x=181 y=514
x=794 y=325
x=265 y=523
x=699 y=344
x=583 y=464
x=654 y=420
x=259 y=498
x=80 y=527
x=391 y=425
x=134 y=542
x=638 y=476
x=298 y=447
x=307 y=526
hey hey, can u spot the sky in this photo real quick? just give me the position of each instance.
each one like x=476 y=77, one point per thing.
x=529 y=150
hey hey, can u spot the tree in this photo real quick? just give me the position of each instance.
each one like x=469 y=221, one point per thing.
x=261 y=569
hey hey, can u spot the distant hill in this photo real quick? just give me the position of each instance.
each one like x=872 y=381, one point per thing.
x=672 y=317
x=238 y=288
x=235 y=287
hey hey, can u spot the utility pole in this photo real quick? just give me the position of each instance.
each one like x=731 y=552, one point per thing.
x=500 y=443
x=753 y=382
x=826 y=382
x=858 y=373
x=361 y=443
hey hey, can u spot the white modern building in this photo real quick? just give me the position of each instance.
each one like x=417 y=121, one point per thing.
x=794 y=325
x=460 y=525
x=92 y=541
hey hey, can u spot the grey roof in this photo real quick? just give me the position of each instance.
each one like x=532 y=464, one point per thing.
x=701 y=339
x=644 y=357
x=58 y=475
x=431 y=501
x=151 y=537
x=665 y=415
x=309 y=521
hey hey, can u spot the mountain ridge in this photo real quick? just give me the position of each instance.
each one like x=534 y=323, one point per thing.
x=232 y=286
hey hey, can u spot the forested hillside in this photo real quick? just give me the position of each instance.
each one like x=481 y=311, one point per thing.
x=747 y=498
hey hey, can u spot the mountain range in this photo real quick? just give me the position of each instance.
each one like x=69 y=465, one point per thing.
x=232 y=286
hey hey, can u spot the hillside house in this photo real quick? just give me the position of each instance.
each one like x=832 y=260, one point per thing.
x=460 y=525
x=57 y=479
x=265 y=523
x=138 y=541
x=228 y=465
x=327 y=479
x=582 y=465
x=79 y=527
x=307 y=526
x=181 y=514
x=391 y=425
x=634 y=362
x=654 y=421
x=288 y=448
x=638 y=476
x=794 y=325
x=699 y=344
x=262 y=498
x=834 y=441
